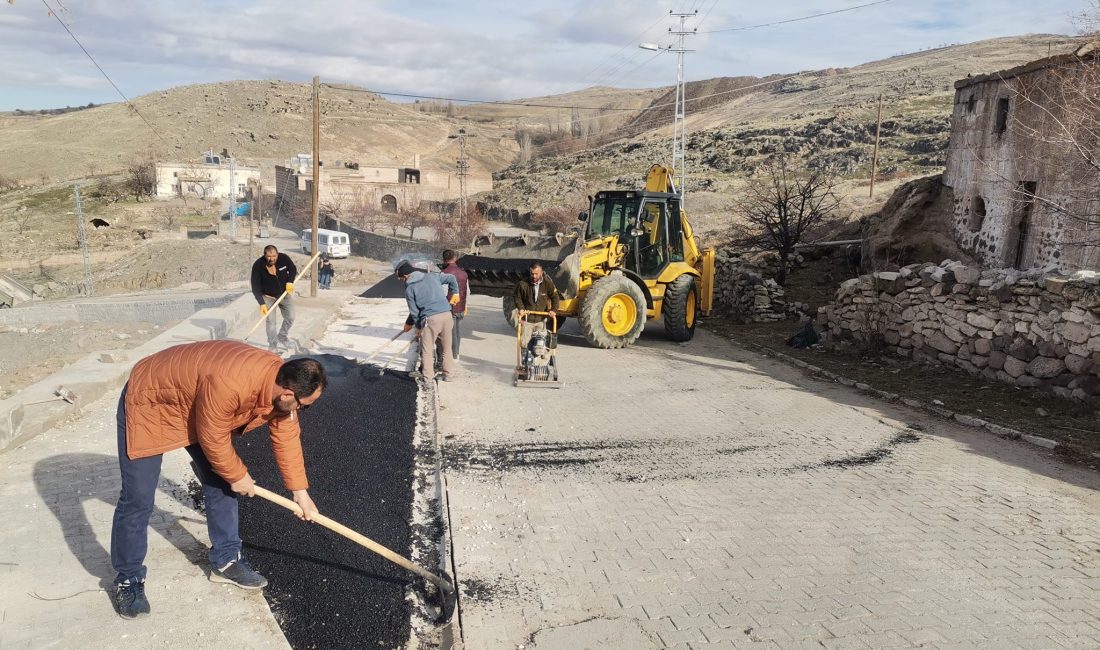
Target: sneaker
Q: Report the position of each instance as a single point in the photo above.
(445, 377)
(130, 599)
(239, 573)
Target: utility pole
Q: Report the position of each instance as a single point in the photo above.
(89, 288)
(462, 169)
(316, 177)
(252, 213)
(232, 198)
(679, 127)
(874, 158)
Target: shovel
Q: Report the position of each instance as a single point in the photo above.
(60, 393)
(446, 588)
(272, 307)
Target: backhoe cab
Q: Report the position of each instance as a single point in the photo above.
(634, 258)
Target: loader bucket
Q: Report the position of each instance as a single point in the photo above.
(497, 264)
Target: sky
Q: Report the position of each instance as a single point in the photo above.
(486, 50)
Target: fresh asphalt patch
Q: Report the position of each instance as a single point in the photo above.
(389, 287)
(327, 591)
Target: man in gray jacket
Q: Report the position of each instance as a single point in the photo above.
(430, 312)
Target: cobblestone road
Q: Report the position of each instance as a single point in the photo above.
(703, 496)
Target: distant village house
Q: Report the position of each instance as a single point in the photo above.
(214, 176)
(355, 187)
(1025, 194)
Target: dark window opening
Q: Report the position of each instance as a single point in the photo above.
(977, 213)
(1025, 205)
(408, 175)
(1000, 124)
(389, 203)
(971, 103)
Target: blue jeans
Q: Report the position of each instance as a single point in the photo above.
(130, 530)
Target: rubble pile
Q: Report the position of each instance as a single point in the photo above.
(745, 286)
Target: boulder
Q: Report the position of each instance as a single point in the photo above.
(939, 341)
(981, 321)
(1015, 367)
(1045, 367)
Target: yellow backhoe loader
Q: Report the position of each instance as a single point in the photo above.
(633, 258)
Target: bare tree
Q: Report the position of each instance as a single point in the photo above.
(23, 219)
(1057, 117)
(561, 218)
(523, 138)
(780, 204)
(141, 178)
(168, 216)
(458, 230)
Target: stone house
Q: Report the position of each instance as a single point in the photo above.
(352, 186)
(1025, 196)
(213, 176)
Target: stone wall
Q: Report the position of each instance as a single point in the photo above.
(1029, 328)
(745, 286)
(381, 247)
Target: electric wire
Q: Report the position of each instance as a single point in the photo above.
(103, 72)
(795, 20)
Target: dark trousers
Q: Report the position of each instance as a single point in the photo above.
(130, 530)
(456, 333)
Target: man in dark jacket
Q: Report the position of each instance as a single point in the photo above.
(458, 309)
(535, 294)
(271, 275)
(430, 312)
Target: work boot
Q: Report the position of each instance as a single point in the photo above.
(446, 376)
(130, 599)
(238, 573)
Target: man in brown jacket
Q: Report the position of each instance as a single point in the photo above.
(535, 294)
(196, 397)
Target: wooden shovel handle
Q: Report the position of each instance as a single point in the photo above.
(358, 538)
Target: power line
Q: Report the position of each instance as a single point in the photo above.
(103, 72)
(795, 20)
(629, 43)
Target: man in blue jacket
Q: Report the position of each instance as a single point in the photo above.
(430, 312)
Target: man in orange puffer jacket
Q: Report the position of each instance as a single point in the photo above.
(196, 397)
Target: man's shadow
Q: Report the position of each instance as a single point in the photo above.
(66, 481)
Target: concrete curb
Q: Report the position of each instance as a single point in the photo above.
(99, 373)
(965, 420)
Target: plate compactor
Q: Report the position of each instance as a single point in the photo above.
(536, 362)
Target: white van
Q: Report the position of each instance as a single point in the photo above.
(335, 243)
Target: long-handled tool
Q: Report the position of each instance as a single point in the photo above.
(446, 588)
(60, 393)
(400, 353)
(284, 294)
(383, 347)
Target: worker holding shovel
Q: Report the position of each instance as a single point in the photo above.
(196, 397)
(272, 275)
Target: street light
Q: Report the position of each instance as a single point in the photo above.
(652, 47)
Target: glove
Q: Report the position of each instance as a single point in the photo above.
(454, 300)
(263, 309)
(289, 288)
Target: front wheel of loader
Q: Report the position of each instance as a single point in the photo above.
(680, 308)
(613, 312)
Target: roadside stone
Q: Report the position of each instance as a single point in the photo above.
(982, 346)
(1022, 350)
(1014, 367)
(942, 343)
(1076, 364)
(1045, 367)
(1076, 332)
(1027, 381)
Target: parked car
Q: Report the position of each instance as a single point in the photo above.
(337, 244)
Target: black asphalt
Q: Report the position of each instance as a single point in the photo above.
(326, 591)
(389, 287)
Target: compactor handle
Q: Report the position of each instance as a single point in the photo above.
(553, 319)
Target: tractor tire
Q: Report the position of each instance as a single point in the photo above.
(613, 312)
(680, 308)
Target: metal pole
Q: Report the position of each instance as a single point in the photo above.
(316, 177)
(679, 126)
(89, 287)
(874, 158)
(252, 215)
(232, 197)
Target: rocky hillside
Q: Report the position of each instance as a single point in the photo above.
(825, 116)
